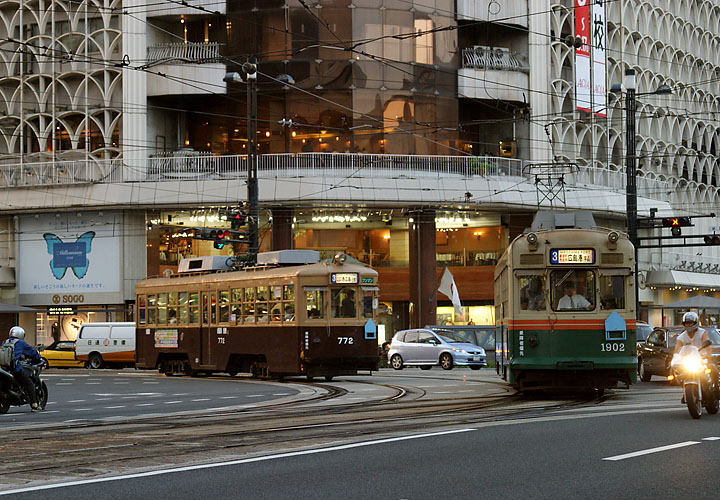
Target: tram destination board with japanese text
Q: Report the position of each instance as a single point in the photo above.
(572, 256)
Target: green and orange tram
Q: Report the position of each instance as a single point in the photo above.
(282, 317)
(565, 306)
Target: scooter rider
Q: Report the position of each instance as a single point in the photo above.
(694, 335)
(22, 351)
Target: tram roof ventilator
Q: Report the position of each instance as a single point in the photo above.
(288, 257)
(547, 220)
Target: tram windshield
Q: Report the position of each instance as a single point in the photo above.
(612, 292)
(572, 290)
(532, 292)
(343, 303)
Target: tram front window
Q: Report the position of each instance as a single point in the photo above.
(573, 290)
(532, 292)
(612, 292)
(343, 303)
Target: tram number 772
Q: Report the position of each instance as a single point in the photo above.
(345, 340)
(612, 347)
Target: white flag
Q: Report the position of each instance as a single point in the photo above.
(448, 287)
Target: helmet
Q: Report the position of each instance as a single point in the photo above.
(17, 332)
(690, 317)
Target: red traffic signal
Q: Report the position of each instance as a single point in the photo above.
(712, 240)
(676, 222)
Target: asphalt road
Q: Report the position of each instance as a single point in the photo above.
(80, 395)
(637, 444)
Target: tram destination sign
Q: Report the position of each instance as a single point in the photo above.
(343, 278)
(572, 256)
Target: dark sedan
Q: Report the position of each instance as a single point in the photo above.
(655, 354)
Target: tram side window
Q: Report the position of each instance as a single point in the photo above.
(141, 309)
(236, 300)
(172, 308)
(152, 309)
(183, 307)
(612, 292)
(224, 309)
(532, 292)
(193, 310)
(261, 304)
(276, 307)
(572, 290)
(343, 303)
(162, 302)
(289, 302)
(315, 304)
(249, 306)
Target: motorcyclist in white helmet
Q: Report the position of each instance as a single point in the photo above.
(694, 335)
(21, 351)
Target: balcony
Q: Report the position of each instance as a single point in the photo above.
(183, 53)
(514, 13)
(198, 63)
(185, 165)
(493, 73)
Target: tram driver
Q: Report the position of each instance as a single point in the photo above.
(571, 299)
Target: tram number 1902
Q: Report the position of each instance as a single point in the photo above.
(612, 347)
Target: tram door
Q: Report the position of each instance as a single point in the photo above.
(208, 330)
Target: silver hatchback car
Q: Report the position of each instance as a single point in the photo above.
(426, 348)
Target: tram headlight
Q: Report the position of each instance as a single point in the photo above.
(340, 258)
(613, 236)
(532, 240)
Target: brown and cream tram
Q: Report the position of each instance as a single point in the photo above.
(271, 320)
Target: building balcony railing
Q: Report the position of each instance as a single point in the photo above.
(195, 165)
(494, 58)
(191, 52)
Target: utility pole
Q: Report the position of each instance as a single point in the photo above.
(250, 70)
(631, 176)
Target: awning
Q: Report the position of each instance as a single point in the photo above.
(697, 302)
(682, 278)
(11, 308)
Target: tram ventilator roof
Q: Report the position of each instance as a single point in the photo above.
(547, 220)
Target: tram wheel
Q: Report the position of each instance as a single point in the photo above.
(309, 378)
(446, 361)
(328, 378)
(397, 362)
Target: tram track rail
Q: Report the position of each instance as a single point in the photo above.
(90, 449)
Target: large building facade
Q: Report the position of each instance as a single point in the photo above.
(398, 131)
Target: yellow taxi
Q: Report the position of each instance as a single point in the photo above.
(60, 354)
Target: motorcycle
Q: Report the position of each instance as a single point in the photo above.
(12, 393)
(691, 370)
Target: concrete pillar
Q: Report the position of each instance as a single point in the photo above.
(423, 275)
(134, 138)
(282, 228)
(539, 56)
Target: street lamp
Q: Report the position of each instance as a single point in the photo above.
(630, 160)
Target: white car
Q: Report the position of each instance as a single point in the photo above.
(426, 348)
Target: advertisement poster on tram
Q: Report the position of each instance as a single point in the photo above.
(69, 258)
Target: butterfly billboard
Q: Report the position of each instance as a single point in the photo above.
(70, 258)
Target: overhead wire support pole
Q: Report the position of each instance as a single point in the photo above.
(250, 70)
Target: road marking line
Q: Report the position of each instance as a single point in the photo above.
(77, 401)
(151, 382)
(114, 407)
(711, 438)
(228, 397)
(254, 396)
(92, 383)
(172, 402)
(202, 399)
(83, 409)
(63, 383)
(146, 404)
(651, 450)
(233, 462)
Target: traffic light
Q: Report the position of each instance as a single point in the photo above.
(712, 239)
(219, 237)
(237, 219)
(676, 223)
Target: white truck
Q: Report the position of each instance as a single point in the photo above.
(103, 344)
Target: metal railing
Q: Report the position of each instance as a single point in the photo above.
(61, 172)
(494, 58)
(171, 166)
(191, 52)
